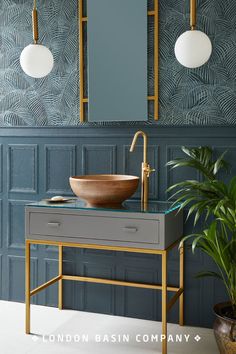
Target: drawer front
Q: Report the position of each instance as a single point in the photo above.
(94, 227)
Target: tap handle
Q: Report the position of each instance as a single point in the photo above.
(149, 170)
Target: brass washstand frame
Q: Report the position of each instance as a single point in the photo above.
(82, 21)
(166, 305)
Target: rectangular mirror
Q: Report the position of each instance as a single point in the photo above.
(117, 60)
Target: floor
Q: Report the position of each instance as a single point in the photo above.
(69, 332)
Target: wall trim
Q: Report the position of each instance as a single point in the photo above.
(124, 131)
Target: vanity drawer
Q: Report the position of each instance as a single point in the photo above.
(89, 227)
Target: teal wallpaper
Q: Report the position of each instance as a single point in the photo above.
(203, 96)
(25, 101)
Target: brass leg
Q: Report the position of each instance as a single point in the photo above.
(60, 262)
(27, 287)
(164, 302)
(181, 285)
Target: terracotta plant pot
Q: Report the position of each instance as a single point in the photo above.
(225, 329)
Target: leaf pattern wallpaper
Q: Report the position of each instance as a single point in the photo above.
(207, 95)
(203, 96)
(25, 101)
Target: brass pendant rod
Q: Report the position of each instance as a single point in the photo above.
(193, 14)
(35, 23)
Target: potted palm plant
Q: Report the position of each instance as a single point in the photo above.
(214, 201)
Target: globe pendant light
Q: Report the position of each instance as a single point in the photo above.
(36, 60)
(193, 48)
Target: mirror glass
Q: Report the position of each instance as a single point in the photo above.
(117, 60)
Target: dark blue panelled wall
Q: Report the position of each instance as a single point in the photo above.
(197, 107)
(36, 163)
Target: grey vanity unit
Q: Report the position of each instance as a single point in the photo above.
(155, 230)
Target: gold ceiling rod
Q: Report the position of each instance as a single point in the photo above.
(35, 23)
(193, 14)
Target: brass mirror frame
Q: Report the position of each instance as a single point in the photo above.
(82, 20)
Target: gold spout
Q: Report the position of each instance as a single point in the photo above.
(145, 169)
(144, 135)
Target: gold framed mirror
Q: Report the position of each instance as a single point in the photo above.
(83, 23)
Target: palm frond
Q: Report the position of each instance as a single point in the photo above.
(217, 200)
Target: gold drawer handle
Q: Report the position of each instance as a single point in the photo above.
(54, 224)
(130, 229)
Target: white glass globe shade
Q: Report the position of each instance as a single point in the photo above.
(36, 60)
(193, 49)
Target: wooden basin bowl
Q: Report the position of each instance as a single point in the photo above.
(104, 190)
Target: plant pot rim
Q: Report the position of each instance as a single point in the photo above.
(218, 311)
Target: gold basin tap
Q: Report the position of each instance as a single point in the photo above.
(145, 169)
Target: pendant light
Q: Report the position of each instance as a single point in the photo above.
(36, 60)
(193, 48)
